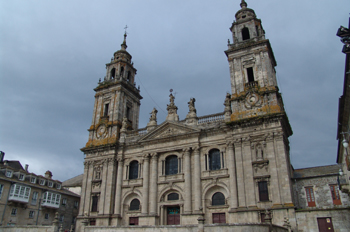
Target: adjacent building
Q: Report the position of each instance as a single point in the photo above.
(30, 199)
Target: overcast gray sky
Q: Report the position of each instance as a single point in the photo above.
(52, 54)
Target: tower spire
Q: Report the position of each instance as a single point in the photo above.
(243, 4)
(123, 45)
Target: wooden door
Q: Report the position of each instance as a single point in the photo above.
(173, 216)
(133, 221)
(325, 224)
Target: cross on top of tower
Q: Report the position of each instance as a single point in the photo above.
(126, 27)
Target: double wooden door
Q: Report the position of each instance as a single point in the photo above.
(173, 215)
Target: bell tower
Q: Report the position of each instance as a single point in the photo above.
(252, 69)
(116, 98)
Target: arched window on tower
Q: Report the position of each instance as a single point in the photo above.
(113, 73)
(218, 199)
(214, 159)
(245, 33)
(128, 76)
(171, 165)
(135, 205)
(121, 71)
(250, 74)
(133, 170)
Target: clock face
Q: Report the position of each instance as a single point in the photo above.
(101, 131)
(252, 98)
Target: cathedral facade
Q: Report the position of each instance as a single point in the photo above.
(225, 168)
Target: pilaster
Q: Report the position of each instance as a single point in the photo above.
(90, 172)
(118, 191)
(187, 170)
(145, 189)
(110, 179)
(240, 173)
(248, 173)
(197, 181)
(232, 172)
(153, 184)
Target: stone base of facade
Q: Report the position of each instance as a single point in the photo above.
(148, 220)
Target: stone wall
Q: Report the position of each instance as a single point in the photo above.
(207, 228)
(27, 229)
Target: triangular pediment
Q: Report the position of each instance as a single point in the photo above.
(169, 129)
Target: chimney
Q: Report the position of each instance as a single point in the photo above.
(26, 168)
(48, 174)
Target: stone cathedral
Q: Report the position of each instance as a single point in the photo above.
(231, 167)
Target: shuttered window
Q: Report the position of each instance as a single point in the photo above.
(219, 218)
(310, 197)
(335, 194)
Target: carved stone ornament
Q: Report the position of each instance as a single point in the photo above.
(101, 132)
(252, 99)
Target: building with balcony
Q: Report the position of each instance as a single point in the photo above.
(30, 199)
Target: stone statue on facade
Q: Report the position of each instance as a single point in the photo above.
(172, 110)
(228, 110)
(152, 120)
(191, 117)
(124, 125)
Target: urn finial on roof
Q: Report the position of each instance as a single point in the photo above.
(243, 4)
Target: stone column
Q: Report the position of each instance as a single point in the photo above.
(187, 171)
(118, 191)
(153, 184)
(103, 169)
(88, 188)
(284, 169)
(84, 190)
(240, 173)
(248, 173)
(273, 170)
(144, 210)
(197, 181)
(111, 170)
(231, 164)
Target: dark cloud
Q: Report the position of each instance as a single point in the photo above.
(53, 53)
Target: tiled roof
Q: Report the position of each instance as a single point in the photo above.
(316, 171)
(73, 182)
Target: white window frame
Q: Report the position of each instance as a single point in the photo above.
(51, 199)
(21, 176)
(34, 198)
(14, 212)
(31, 214)
(20, 193)
(64, 201)
(50, 184)
(33, 180)
(42, 182)
(8, 173)
(58, 186)
(76, 204)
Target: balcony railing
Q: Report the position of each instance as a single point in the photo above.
(252, 84)
(211, 118)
